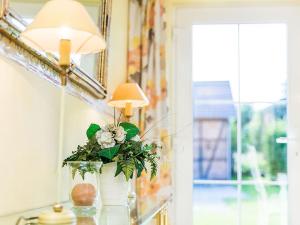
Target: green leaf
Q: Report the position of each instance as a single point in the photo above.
(153, 172)
(131, 130)
(148, 147)
(139, 166)
(153, 166)
(74, 170)
(109, 153)
(70, 158)
(119, 169)
(128, 168)
(92, 130)
(82, 174)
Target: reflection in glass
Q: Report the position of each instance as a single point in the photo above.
(264, 205)
(263, 155)
(115, 215)
(86, 221)
(28, 9)
(215, 204)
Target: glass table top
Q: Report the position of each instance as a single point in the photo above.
(138, 212)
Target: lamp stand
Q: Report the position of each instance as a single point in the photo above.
(64, 62)
(64, 59)
(63, 77)
(128, 112)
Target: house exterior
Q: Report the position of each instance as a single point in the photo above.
(212, 130)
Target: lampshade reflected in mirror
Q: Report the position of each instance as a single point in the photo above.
(65, 27)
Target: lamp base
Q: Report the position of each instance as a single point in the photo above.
(63, 79)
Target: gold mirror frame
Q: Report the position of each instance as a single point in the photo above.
(79, 83)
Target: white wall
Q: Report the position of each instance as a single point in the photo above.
(29, 122)
(29, 115)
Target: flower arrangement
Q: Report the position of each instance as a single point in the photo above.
(119, 143)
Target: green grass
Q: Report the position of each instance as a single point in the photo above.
(226, 211)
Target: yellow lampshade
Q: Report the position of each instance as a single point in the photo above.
(64, 20)
(128, 93)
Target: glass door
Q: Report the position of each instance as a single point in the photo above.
(239, 124)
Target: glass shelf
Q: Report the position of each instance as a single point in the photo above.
(139, 212)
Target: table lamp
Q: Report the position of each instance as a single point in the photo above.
(64, 27)
(128, 96)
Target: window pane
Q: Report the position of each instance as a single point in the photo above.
(215, 204)
(215, 141)
(258, 52)
(264, 153)
(262, 204)
(215, 55)
(263, 60)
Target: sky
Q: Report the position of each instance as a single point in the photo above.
(253, 57)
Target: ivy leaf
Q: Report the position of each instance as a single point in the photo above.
(119, 169)
(109, 153)
(128, 167)
(131, 130)
(92, 130)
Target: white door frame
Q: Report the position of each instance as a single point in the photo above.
(184, 18)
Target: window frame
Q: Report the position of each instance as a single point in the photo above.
(184, 18)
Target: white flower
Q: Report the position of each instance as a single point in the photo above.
(136, 138)
(105, 139)
(109, 127)
(120, 134)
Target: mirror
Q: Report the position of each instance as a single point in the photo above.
(90, 70)
(27, 10)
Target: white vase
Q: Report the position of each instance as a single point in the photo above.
(113, 190)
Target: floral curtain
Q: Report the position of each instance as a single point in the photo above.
(147, 67)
